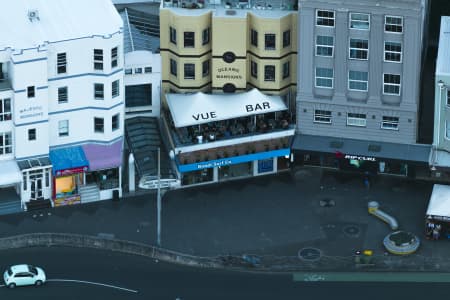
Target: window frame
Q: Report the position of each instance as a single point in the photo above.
(324, 46)
(117, 117)
(389, 122)
(351, 21)
(286, 70)
(98, 59)
(392, 84)
(322, 116)
(366, 81)
(63, 94)
(115, 88)
(286, 38)
(190, 67)
(392, 52)
(323, 18)
(173, 35)
(205, 68)
(99, 127)
(268, 70)
(356, 120)
(97, 92)
(61, 63)
(254, 69)
(386, 24)
(5, 110)
(189, 39)
(357, 49)
(63, 128)
(173, 67)
(206, 36)
(324, 78)
(254, 37)
(114, 57)
(268, 41)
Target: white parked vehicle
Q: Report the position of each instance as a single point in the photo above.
(20, 275)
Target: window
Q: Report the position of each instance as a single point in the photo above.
(32, 134)
(115, 122)
(286, 38)
(359, 49)
(322, 116)
(61, 63)
(30, 92)
(392, 51)
(354, 119)
(138, 95)
(189, 39)
(269, 73)
(147, 69)
(99, 91)
(447, 130)
(62, 94)
(254, 69)
(128, 71)
(254, 38)
(47, 177)
(359, 21)
(114, 57)
(286, 69)
(391, 84)
(448, 98)
(389, 123)
(5, 143)
(5, 109)
(138, 71)
(324, 77)
(99, 125)
(63, 128)
(358, 81)
(98, 59)
(189, 71)
(325, 18)
(269, 39)
(173, 35)
(324, 45)
(393, 24)
(173, 67)
(115, 89)
(205, 36)
(205, 68)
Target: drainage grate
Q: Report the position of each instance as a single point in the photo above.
(327, 202)
(351, 230)
(309, 254)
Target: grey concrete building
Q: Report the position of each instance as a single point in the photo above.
(359, 67)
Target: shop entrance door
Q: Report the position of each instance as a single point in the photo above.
(36, 188)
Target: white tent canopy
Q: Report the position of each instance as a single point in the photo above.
(10, 173)
(200, 108)
(439, 204)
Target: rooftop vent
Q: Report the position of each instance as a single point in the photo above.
(33, 15)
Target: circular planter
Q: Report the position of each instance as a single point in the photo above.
(401, 243)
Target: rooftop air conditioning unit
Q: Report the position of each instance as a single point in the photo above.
(33, 14)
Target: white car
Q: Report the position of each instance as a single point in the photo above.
(19, 275)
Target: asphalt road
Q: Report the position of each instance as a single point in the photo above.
(94, 274)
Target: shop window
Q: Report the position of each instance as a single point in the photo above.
(189, 71)
(286, 38)
(32, 134)
(115, 122)
(5, 109)
(269, 73)
(325, 18)
(254, 37)
(115, 88)
(189, 39)
(31, 92)
(62, 94)
(173, 67)
(99, 125)
(61, 63)
(99, 91)
(104, 179)
(173, 35)
(205, 68)
(98, 59)
(269, 41)
(114, 57)
(359, 21)
(5, 143)
(254, 69)
(63, 128)
(393, 24)
(205, 36)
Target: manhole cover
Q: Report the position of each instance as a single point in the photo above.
(309, 254)
(327, 202)
(351, 230)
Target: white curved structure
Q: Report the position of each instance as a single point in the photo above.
(373, 208)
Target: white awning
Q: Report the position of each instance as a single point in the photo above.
(9, 173)
(439, 204)
(200, 108)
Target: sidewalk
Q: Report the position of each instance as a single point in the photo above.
(272, 215)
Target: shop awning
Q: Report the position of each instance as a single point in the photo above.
(200, 108)
(327, 144)
(439, 204)
(68, 158)
(10, 173)
(103, 156)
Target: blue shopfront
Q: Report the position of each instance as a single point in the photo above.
(224, 169)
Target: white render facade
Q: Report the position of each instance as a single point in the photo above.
(64, 84)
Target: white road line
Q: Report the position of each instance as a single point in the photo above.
(93, 283)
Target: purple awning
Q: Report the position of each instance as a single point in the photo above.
(103, 156)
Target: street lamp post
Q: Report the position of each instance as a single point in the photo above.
(436, 140)
(158, 202)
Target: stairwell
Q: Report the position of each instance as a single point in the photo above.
(89, 193)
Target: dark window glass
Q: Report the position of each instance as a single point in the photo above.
(30, 92)
(138, 95)
(189, 71)
(254, 37)
(114, 57)
(189, 39)
(61, 64)
(99, 125)
(286, 69)
(173, 67)
(115, 88)
(205, 36)
(32, 134)
(115, 122)
(205, 68)
(286, 38)
(254, 69)
(269, 73)
(269, 41)
(62, 95)
(99, 90)
(98, 59)
(173, 35)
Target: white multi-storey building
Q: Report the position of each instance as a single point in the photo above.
(62, 107)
